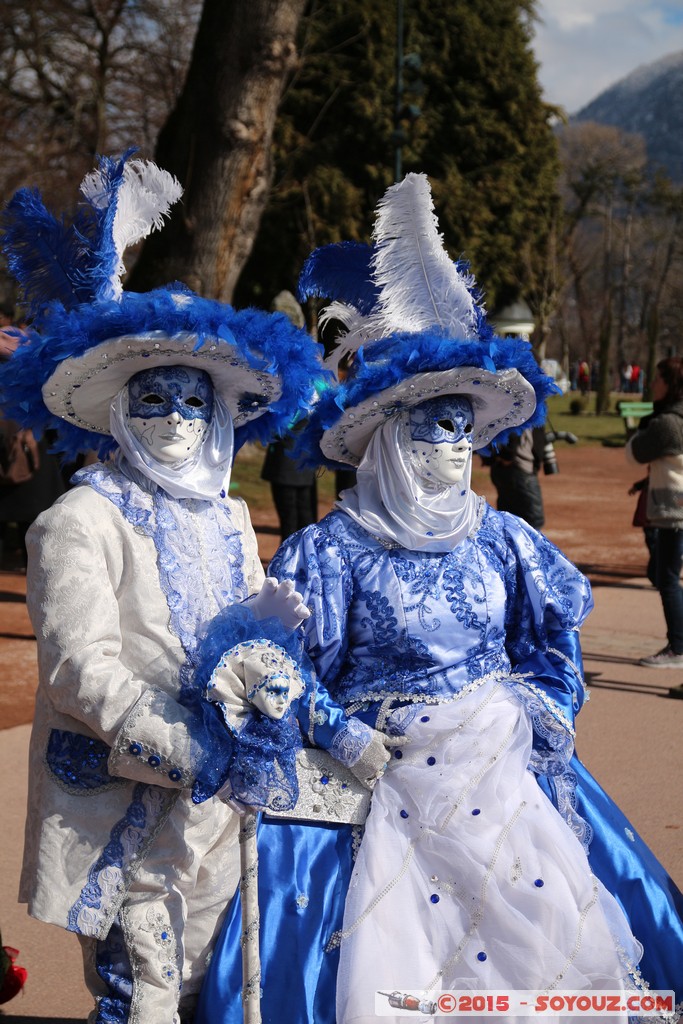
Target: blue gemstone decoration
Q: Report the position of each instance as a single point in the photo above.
(434, 898)
(174, 775)
(431, 760)
(398, 754)
(404, 814)
(425, 718)
(164, 935)
(79, 761)
(324, 779)
(135, 749)
(154, 761)
(222, 494)
(481, 956)
(476, 811)
(430, 533)
(539, 883)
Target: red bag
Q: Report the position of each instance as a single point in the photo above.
(12, 977)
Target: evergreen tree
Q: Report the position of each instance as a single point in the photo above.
(483, 136)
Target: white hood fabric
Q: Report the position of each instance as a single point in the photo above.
(204, 475)
(396, 505)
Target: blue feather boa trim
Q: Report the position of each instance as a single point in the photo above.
(380, 365)
(267, 342)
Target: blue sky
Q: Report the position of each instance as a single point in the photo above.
(584, 46)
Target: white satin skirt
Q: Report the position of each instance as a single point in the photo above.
(468, 878)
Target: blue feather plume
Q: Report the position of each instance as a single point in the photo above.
(106, 266)
(45, 255)
(340, 271)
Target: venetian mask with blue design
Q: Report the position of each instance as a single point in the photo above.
(272, 695)
(169, 410)
(440, 432)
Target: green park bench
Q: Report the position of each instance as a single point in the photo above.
(631, 413)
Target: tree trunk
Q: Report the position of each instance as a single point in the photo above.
(605, 338)
(217, 141)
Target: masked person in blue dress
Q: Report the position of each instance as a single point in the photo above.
(490, 859)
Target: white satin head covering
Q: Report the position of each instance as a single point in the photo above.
(396, 505)
(207, 471)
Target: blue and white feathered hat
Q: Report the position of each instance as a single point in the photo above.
(416, 329)
(88, 336)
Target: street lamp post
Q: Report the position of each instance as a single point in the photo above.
(398, 133)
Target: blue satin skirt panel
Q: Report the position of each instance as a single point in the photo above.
(628, 869)
(304, 872)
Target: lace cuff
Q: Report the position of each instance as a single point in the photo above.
(350, 741)
(550, 724)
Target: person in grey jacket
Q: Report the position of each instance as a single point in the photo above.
(659, 444)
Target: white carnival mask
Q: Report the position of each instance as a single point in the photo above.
(272, 698)
(440, 431)
(169, 410)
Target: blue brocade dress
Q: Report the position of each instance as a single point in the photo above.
(472, 872)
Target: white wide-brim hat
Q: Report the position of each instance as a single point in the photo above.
(66, 377)
(500, 402)
(82, 388)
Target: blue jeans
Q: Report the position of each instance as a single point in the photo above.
(665, 573)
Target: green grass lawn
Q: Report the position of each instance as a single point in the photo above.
(606, 429)
(246, 482)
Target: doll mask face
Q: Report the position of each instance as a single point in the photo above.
(169, 410)
(272, 699)
(441, 438)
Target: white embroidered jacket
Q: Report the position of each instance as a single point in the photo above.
(112, 748)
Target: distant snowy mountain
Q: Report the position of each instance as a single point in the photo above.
(648, 101)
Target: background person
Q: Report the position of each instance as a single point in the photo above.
(515, 468)
(294, 489)
(30, 476)
(659, 444)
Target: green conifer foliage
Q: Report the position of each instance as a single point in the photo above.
(483, 136)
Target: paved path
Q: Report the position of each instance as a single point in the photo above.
(629, 733)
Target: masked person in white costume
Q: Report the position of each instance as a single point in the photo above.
(126, 844)
(490, 859)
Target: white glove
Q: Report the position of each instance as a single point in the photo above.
(369, 767)
(280, 600)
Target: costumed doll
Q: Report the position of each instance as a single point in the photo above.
(124, 847)
(490, 860)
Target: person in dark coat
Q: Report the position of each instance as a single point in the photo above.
(294, 490)
(30, 477)
(514, 474)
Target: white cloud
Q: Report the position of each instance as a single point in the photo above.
(584, 46)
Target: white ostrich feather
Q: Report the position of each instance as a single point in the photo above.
(143, 199)
(359, 329)
(420, 286)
